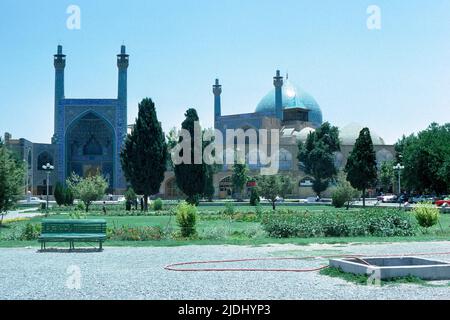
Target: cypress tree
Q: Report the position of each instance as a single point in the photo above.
(361, 167)
(59, 194)
(144, 155)
(191, 177)
(68, 197)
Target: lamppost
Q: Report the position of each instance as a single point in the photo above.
(48, 168)
(399, 168)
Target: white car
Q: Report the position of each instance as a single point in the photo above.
(33, 200)
(389, 198)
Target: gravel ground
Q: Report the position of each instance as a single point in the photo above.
(137, 273)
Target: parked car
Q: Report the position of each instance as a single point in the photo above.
(389, 198)
(442, 202)
(423, 198)
(403, 198)
(33, 200)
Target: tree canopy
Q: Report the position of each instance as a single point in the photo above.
(426, 158)
(387, 175)
(361, 167)
(144, 156)
(274, 186)
(316, 156)
(191, 177)
(12, 175)
(87, 189)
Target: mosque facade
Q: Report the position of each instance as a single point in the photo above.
(295, 113)
(89, 134)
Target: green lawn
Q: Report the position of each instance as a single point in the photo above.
(219, 231)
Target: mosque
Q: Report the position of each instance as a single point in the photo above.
(88, 134)
(293, 111)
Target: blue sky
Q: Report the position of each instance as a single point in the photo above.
(395, 80)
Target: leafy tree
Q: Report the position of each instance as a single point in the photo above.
(426, 158)
(361, 167)
(191, 177)
(316, 156)
(239, 178)
(387, 175)
(144, 156)
(88, 189)
(59, 194)
(286, 187)
(271, 187)
(11, 180)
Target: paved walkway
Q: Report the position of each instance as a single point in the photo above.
(23, 213)
(137, 273)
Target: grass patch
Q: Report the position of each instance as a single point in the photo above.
(220, 231)
(362, 279)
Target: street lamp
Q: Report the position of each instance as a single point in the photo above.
(399, 168)
(48, 168)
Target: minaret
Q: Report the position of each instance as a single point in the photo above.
(121, 124)
(59, 62)
(122, 64)
(278, 83)
(217, 90)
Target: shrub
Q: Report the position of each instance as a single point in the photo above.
(426, 215)
(344, 193)
(31, 231)
(215, 233)
(186, 219)
(158, 205)
(254, 197)
(130, 198)
(373, 222)
(78, 214)
(229, 209)
(80, 207)
(125, 233)
(338, 198)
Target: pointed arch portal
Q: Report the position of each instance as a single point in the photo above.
(90, 147)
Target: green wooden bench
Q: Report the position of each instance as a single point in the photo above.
(62, 230)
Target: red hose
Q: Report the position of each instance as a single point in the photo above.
(173, 267)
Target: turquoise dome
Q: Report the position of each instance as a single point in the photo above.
(293, 97)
